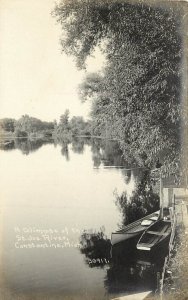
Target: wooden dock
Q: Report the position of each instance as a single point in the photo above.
(176, 199)
(137, 296)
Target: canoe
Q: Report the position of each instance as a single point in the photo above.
(156, 237)
(124, 241)
(134, 229)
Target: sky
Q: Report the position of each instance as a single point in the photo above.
(35, 77)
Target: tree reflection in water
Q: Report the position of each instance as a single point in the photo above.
(78, 145)
(26, 146)
(127, 174)
(129, 275)
(142, 202)
(7, 145)
(64, 143)
(65, 150)
(95, 245)
(120, 278)
(104, 152)
(96, 248)
(131, 278)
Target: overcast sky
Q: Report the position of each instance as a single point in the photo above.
(35, 77)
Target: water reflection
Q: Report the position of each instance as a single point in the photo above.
(26, 146)
(143, 201)
(84, 204)
(104, 152)
(65, 150)
(96, 248)
(127, 174)
(7, 145)
(128, 274)
(29, 146)
(78, 145)
(136, 276)
(133, 276)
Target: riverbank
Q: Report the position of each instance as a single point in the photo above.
(4, 293)
(5, 135)
(176, 279)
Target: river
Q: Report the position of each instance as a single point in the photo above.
(54, 197)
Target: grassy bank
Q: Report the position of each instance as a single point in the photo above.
(176, 281)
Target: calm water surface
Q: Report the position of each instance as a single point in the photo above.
(62, 186)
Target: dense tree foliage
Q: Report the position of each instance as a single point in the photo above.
(7, 124)
(25, 126)
(66, 128)
(136, 98)
(79, 126)
(30, 125)
(63, 126)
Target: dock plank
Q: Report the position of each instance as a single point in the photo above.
(137, 296)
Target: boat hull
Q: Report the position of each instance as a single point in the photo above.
(125, 251)
(124, 241)
(123, 237)
(155, 240)
(157, 252)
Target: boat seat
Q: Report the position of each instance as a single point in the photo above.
(154, 218)
(154, 232)
(157, 233)
(166, 227)
(146, 222)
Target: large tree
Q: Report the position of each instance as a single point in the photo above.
(137, 96)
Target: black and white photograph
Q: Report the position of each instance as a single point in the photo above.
(93, 150)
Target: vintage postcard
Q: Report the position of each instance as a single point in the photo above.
(93, 150)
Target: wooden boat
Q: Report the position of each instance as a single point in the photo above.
(125, 240)
(134, 229)
(156, 237)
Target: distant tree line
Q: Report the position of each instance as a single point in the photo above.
(75, 126)
(28, 126)
(7, 124)
(25, 126)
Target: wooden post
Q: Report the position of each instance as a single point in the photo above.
(182, 214)
(158, 281)
(174, 203)
(171, 214)
(161, 196)
(163, 277)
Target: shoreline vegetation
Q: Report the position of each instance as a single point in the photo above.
(29, 127)
(138, 97)
(175, 284)
(66, 129)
